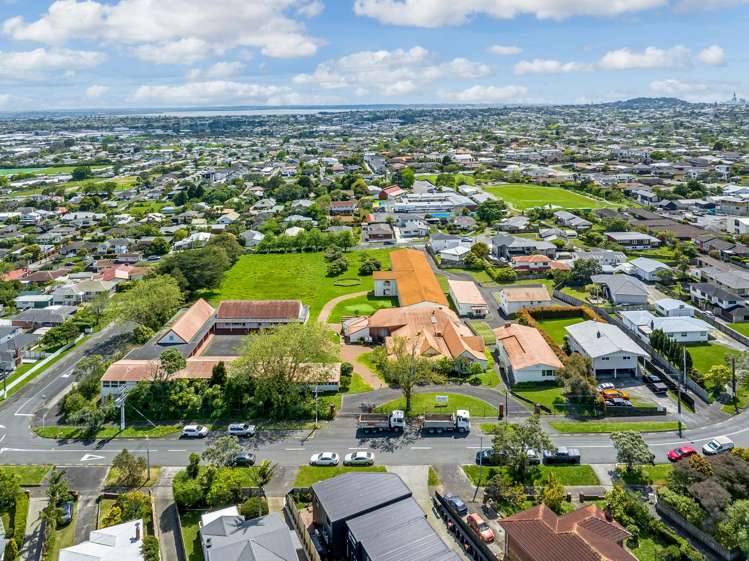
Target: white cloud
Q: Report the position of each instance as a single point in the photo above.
(712, 56)
(652, 57)
(183, 51)
(677, 87)
(96, 90)
(486, 94)
(690, 5)
(550, 66)
(207, 93)
(37, 64)
(504, 50)
(220, 70)
(438, 13)
(393, 72)
(311, 9)
(4, 99)
(165, 24)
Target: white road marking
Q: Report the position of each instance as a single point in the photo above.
(292, 449)
(3, 437)
(176, 450)
(421, 447)
(473, 447)
(89, 457)
(358, 448)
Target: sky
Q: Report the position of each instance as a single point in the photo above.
(71, 54)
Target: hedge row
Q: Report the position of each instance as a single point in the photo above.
(561, 312)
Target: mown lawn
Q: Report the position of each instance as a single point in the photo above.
(522, 196)
(70, 432)
(64, 536)
(358, 385)
(191, 534)
(742, 328)
(113, 477)
(105, 505)
(646, 475)
(567, 475)
(309, 475)
(293, 276)
(426, 403)
(28, 475)
(360, 306)
(706, 355)
(592, 426)
(460, 179)
(548, 394)
(555, 327)
(482, 329)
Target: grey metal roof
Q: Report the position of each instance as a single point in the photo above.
(267, 538)
(350, 494)
(621, 284)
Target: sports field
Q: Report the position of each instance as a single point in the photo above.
(522, 196)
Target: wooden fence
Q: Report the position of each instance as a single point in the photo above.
(296, 519)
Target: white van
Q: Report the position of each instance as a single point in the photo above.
(717, 445)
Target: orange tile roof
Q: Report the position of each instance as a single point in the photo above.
(415, 279)
(143, 370)
(192, 320)
(525, 346)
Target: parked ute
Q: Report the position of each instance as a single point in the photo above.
(195, 431)
(241, 429)
(605, 386)
(479, 525)
(359, 459)
(655, 384)
(613, 393)
(680, 453)
(562, 455)
(324, 459)
(718, 445)
(457, 503)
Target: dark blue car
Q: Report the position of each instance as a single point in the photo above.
(457, 503)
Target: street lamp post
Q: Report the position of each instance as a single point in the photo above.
(148, 460)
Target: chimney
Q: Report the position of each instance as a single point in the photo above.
(609, 514)
(137, 531)
(598, 334)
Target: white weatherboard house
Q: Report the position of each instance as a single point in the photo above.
(681, 329)
(122, 542)
(525, 355)
(512, 299)
(647, 269)
(611, 351)
(670, 307)
(467, 299)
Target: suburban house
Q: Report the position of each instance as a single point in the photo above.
(440, 241)
(468, 299)
(505, 246)
(373, 517)
(343, 207)
(647, 269)
(606, 257)
(719, 300)
(454, 256)
(227, 536)
(680, 329)
(633, 240)
(432, 333)
(531, 263)
(610, 350)
(670, 307)
(622, 289)
(32, 301)
(733, 280)
(50, 316)
(512, 299)
(122, 542)
(378, 232)
(566, 218)
(244, 316)
(539, 534)
(410, 279)
(525, 355)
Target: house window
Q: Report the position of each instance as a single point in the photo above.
(605, 358)
(547, 373)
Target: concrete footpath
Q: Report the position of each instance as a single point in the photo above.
(33, 540)
(166, 517)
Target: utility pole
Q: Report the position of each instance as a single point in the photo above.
(681, 380)
(481, 467)
(733, 383)
(148, 460)
(507, 409)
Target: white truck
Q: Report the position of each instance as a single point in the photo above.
(438, 423)
(382, 422)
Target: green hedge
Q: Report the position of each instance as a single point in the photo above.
(19, 518)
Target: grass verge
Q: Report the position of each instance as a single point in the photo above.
(433, 478)
(588, 427)
(646, 475)
(65, 432)
(28, 475)
(567, 475)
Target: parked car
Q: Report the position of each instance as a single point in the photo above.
(195, 431)
(67, 513)
(457, 503)
(479, 525)
(487, 457)
(324, 459)
(680, 453)
(359, 459)
(718, 445)
(562, 455)
(245, 459)
(605, 386)
(241, 429)
(618, 402)
(654, 383)
(612, 393)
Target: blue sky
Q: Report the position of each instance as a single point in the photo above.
(151, 53)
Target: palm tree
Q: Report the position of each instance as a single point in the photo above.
(262, 475)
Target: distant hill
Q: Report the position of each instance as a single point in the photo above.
(649, 103)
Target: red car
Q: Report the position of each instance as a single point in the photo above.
(680, 453)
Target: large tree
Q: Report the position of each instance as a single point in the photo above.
(514, 442)
(280, 361)
(407, 368)
(631, 449)
(150, 302)
(196, 269)
(222, 451)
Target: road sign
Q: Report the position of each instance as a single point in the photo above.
(442, 400)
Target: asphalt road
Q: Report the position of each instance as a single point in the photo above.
(19, 445)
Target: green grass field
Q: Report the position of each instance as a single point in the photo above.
(742, 328)
(358, 385)
(360, 306)
(635, 426)
(522, 196)
(43, 171)
(309, 475)
(555, 327)
(191, 534)
(28, 475)
(426, 403)
(567, 475)
(292, 276)
(548, 394)
(706, 355)
(460, 179)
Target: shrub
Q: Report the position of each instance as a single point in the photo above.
(337, 267)
(253, 507)
(347, 369)
(19, 518)
(150, 549)
(188, 492)
(142, 334)
(11, 550)
(686, 506)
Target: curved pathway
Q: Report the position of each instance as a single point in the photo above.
(327, 309)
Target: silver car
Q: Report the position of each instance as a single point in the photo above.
(359, 459)
(324, 459)
(241, 429)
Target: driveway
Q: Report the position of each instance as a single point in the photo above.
(351, 353)
(88, 481)
(166, 517)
